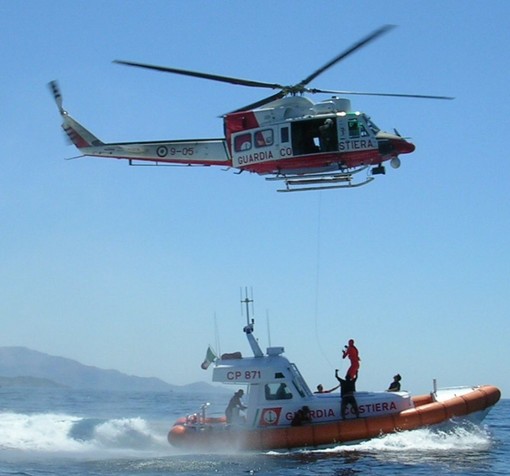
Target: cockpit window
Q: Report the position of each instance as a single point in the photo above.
(354, 131)
(277, 391)
(264, 138)
(362, 131)
(371, 125)
(242, 142)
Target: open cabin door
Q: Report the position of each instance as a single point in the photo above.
(314, 136)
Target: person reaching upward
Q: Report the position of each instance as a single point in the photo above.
(352, 353)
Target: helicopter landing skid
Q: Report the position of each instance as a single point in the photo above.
(320, 181)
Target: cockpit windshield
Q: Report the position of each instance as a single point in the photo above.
(371, 125)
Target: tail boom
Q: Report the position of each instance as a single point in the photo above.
(185, 152)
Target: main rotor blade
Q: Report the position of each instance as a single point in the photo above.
(358, 93)
(197, 74)
(261, 102)
(347, 52)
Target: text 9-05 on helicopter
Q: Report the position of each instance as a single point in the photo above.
(306, 145)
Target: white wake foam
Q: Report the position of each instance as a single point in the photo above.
(458, 438)
(51, 432)
(38, 432)
(420, 443)
(131, 433)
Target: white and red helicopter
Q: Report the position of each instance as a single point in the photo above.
(287, 137)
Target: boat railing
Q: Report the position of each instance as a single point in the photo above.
(201, 418)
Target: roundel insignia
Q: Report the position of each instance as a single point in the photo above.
(162, 151)
(270, 416)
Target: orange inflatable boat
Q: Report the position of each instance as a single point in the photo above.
(439, 407)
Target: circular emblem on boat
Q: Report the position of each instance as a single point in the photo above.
(162, 151)
(270, 416)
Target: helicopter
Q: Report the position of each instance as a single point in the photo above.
(285, 137)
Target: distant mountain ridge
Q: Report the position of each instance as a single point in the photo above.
(16, 362)
(29, 382)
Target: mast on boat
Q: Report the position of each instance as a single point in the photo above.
(248, 329)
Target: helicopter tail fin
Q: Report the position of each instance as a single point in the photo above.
(78, 135)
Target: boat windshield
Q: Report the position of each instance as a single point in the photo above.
(299, 382)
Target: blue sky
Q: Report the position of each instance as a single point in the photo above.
(129, 268)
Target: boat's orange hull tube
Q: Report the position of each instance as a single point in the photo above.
(426, 412)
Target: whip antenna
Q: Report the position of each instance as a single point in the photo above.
(268, 329)
(247, 301)
(217, 335)
(248, 329)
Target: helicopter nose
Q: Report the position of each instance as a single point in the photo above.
(393, 144)
(404, 147)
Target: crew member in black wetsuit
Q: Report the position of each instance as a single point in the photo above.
(232, 411)
(395, 385)
(347, 390)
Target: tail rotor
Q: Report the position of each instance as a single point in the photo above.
(79, 136)
(55, 90)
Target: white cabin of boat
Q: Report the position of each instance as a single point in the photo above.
(276, 390)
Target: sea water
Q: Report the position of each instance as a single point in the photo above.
(70, 432)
